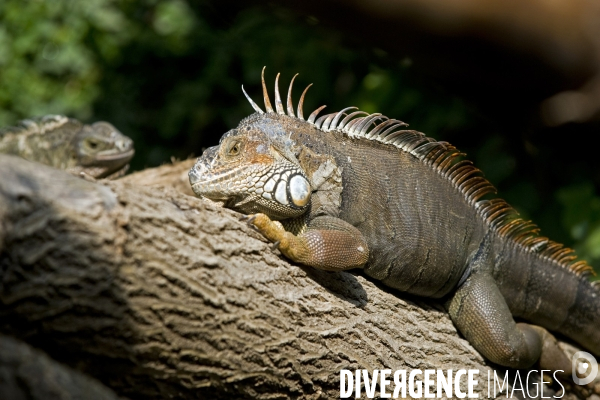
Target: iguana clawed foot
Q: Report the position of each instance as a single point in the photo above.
(329, 243)
(291, 246)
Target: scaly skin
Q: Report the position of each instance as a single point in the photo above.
(360, 193)
(98, 150)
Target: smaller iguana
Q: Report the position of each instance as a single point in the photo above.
(355, 190)
(98, 150)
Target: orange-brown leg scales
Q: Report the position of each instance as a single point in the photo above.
(329, 249)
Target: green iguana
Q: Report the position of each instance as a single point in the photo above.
(98, 150)
(355, 190)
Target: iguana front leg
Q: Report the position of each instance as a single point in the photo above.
(328, 243)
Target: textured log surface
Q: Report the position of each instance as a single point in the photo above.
(162, 295)
(29, 374)
(173, 175)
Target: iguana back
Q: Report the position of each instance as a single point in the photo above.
(356, 190)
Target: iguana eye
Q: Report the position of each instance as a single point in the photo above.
(92, 144)
(234, 148)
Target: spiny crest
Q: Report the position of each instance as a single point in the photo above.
(278, 104)
(443, 158)
(44, 124)
(35, 126)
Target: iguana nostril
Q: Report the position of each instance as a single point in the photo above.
(193, 175)
(196, 172)
(123, 145)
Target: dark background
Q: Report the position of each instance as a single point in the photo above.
(169, 74)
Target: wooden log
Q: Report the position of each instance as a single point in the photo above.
(162, 295)
(27, 373)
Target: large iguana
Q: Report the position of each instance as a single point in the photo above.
(98, 150)
(355, 190)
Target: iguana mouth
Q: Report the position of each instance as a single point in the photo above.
(117, 174)
(209, 183)
(214, 186)
(108, 165)
(126, 156)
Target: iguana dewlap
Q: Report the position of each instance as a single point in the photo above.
(98, 150)
(355, 190)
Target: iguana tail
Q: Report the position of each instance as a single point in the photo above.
(543, 285)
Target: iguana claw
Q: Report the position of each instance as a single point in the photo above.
(248, 219)
(272, 230)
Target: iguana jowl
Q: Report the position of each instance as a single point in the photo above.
(355, 190)
(98, 150)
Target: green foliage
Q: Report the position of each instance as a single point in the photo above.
(46, 64)
(53, 53)
(168, 74)
(581, 218)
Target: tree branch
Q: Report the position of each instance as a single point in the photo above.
(26, 373)
(161, 295)
(174, 175)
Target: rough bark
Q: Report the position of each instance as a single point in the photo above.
(159, 294)
(174, 175)
(29, 374)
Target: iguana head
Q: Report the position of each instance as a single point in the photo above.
(101, 150)
(254, 168)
